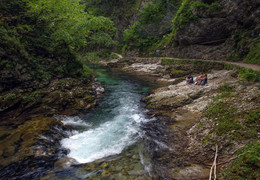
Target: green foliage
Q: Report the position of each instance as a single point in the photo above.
(10, 96)
(147, 33)
(177, 73)
(229, 120)
(196, 66)
(226, 88)
(91, 57)
(100, 40)
(222, 113)
(253, 117)
(152, 12)
(247, 48)
(95, 57)
(65, 19)
(44, 37)
(10, 46)
(184, 15)
(132, 39)
(166, 39)
(34, 96)
(166, 61)
(113, 8)
(254, 53)
(246, 166)
(249, 74)
(13, 8)
(87, 72)
(70, 24)
(131, 35)
(75, 68)
(215, 6)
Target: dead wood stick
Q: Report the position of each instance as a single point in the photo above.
(214, 165)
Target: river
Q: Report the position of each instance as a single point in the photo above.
(110, 141)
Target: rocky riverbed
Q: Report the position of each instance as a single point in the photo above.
(188, 152)
(29, 131)
(180, 143)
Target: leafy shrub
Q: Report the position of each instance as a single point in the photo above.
(177, 73)
(34, 96)
(94, 57)
(249, 74)
(131, 35)
(184, 15)
(254, 54)
(152, 12)
(215, 6)
(87, 72)
(246, 166)
(226, 88)
(253, 117)
(151, 31)
(10, 96)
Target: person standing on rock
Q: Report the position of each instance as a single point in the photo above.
(157, 52)
(189, 79)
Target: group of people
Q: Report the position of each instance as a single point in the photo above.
(200, 80)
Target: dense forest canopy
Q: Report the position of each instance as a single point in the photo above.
(43, 38)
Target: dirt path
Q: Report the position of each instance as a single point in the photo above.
(245, 65)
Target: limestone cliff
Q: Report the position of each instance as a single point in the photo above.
(202, 29)
(229, 29)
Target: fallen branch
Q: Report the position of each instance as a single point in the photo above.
(214, 165)
(215, 162)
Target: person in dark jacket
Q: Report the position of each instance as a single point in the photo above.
(189, 79)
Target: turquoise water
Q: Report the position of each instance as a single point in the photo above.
(115, 125)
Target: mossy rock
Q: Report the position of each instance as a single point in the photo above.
(169, 103)
(18, 145)
(174, 73)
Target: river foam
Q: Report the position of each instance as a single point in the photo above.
(110, 128)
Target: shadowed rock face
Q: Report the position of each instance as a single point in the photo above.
(30, 135)
(219, 24)
(212, 34)
(205, 30)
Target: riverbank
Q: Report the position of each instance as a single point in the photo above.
(30, 132)
(197, 118)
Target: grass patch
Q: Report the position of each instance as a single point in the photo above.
(184, 15)
(226, 87)
(203, 66)
(229, 120)
(177, 73)
(95, 57)
(34, 96)
(87, 72)
(249, 74)
(246, 166)
(10, 96)
(215, 6)
(254, 53)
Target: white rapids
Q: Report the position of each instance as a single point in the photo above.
(118, 125)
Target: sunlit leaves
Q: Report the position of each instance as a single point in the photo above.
(68, 22)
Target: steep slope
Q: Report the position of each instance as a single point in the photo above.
(217, 30)
(202, 29)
